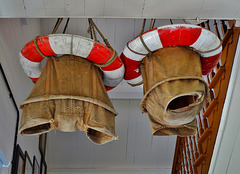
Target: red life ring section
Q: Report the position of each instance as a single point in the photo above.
(53, 44)
(200, 39)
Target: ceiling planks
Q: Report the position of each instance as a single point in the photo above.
(12, 8)
(34, 8)
(220, 9)
(71, 10)
(94, 8)
(172, 9)
(164, 9)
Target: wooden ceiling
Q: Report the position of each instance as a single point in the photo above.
(162, 9)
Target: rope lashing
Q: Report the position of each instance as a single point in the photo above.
(208, 51)
(66, 25)
(102, 36)
(57, 25)
(112, 58)
(142, 41)
(38, 50)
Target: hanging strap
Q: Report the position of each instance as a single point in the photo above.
(93, 26)
(208, 51)
(94, 34)
(135, 51)
(57, 25)
(185, 22)
(66, 25)
(141, 38)
(53, 32)
(144, 44)
(99, 32)
(91, 31)
(142, 41)
(152, 23)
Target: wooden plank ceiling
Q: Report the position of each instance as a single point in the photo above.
(175, 9)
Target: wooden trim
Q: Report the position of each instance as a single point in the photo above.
(205, 135)
(227, 37)
(199, 160)
(210, 108)
(217, 77)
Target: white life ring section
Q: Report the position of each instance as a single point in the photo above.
(53, 44)
(200, 39)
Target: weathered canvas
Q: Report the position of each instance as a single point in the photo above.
(69, 96)
(174, 90)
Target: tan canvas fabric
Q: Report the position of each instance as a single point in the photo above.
(174, 90)
(69, 96)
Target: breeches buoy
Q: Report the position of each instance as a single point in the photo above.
(69, 95)
(174, 90)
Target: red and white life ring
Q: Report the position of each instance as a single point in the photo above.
(71, 44)
(200, 39)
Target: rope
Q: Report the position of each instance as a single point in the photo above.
(144, 44)
(134, 51)
(150, 25)
(143, 26)
(90, 29)
(94, 34)
(133, 85)
(208, 51)
(153, 23)
(57, 25)
(53, 32)
(142, 41)
(71, 49)
(141, 38)
(59, 97)
(102, 36)
(112, 59)
(66, 25)
(184, 21)
(38, 50)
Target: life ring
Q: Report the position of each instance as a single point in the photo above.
(53, 44)
(200, 39)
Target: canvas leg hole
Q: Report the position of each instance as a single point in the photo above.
(98, 137)
(37, 129)
(181, 104)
